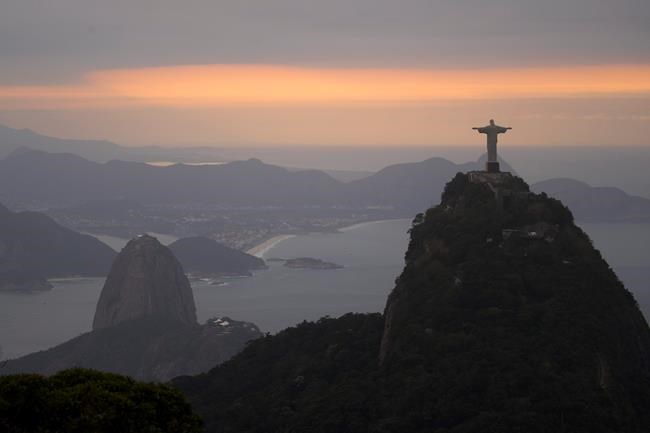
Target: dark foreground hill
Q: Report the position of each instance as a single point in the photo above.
(145, 324)
(153, 348)
(83, 401)
(33, 247)
(207, 257)
(505, 319)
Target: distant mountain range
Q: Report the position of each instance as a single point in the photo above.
(12, 139)
(412, 186)
(99, 150)
(36, 178)
(596, 204)
(33, 177)
(33, 247)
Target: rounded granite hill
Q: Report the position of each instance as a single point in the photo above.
(510, 317)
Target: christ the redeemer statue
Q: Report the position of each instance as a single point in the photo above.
(492, 130)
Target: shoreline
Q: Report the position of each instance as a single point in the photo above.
(366, 223)
(261, 249)
(59, 280)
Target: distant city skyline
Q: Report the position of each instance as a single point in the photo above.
(300, 73)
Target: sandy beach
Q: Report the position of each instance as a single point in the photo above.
(357, 225)
(261, 249)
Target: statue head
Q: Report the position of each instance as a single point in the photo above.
(492, 122)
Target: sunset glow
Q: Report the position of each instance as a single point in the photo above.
(223, 85)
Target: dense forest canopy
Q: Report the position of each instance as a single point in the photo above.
(83, 401)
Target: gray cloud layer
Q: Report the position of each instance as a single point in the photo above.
(57, 40)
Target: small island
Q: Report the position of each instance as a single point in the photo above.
(310, 263)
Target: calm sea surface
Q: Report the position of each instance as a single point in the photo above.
(279, 297)
(373, 256)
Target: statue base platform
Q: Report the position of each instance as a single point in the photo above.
(492, 167)
(499, 179)
(501, 184)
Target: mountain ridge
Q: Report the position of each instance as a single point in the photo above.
(404, 189)
(596, 204)
(95, 150)
(238, 183)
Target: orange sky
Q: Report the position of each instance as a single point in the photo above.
(278, 104)
(223, 85)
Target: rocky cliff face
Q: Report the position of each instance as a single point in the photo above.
(145, 280)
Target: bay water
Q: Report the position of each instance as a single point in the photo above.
(372, 255)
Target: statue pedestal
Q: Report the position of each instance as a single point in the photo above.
(492, 167)
(502, 184)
